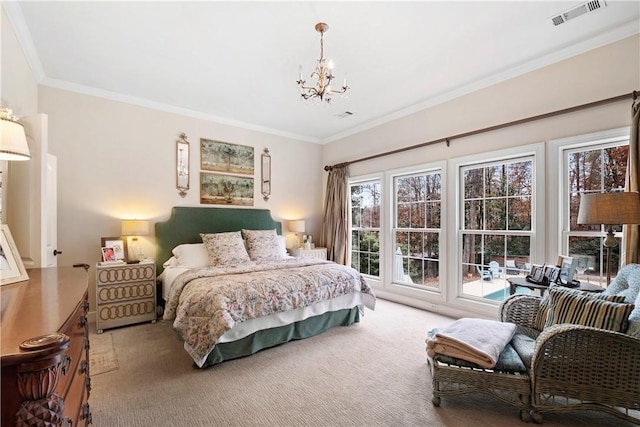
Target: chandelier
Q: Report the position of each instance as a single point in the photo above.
(323, 72)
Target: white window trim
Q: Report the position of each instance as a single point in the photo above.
(557, 242)
(454, 229)
(374, 282)
(399, 289)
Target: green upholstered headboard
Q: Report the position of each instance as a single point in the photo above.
(186, 224)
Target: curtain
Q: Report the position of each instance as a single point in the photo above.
(336, 215)
(632, 232)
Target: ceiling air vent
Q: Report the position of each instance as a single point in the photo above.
(344, 115)
(576, 11)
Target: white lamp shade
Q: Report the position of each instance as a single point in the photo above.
(297, 226)
(13, 142)
(135, 227)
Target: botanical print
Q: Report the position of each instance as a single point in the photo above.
(223, 157)
(225, 189)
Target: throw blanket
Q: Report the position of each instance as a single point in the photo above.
(206, 303)
(478, 341)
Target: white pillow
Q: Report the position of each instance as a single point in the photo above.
(282, 245)
(192, 255)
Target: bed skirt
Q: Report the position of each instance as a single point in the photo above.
(274, 336)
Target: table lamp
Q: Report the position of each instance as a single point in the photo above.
(297, 227)
(609, 209)
(135, 228)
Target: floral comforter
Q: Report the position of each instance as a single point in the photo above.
(205, 303)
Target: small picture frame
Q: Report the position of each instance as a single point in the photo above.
(118, 244)
(11, 267)
(567, 269)
(108, 254)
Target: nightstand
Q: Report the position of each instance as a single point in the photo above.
(125, 294)
(318, 253)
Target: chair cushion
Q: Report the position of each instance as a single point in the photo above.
(543, 310)
(524, 346)
(568, 307)
(508, 361)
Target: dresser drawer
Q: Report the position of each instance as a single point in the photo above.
(77, 332)
(125, 313)
(125, 294)
(125, 291)
(125, 273)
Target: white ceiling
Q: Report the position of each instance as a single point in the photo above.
(237, 62)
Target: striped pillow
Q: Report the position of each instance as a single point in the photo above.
(567, 307)
(541, 316)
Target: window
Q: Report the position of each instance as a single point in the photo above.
(496, 224)
(416, 229)
(591, 167)
(365, 227)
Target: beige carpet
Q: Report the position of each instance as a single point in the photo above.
(370, 374)
(102, 354)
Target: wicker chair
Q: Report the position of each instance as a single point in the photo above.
(565, 367)
(582, 368)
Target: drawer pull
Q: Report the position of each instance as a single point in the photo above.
(86, 343)
(68, 422)
(86, 414)
(84, 366)
(87, 383)
(66, 361)
(83, 321)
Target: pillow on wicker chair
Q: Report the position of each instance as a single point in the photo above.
(542, 315)
(568, 307)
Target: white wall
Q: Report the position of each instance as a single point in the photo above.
(18, 86)
(602, 73)
(117, 161)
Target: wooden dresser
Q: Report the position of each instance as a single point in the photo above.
(45, 349)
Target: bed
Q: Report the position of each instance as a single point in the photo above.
(239, 306)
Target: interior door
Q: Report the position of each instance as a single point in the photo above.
(31, 198)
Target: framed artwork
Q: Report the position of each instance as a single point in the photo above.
(118, 245)
(11, 267)
(224, 157)
(567, 269)
(108, 255)
(221, 189)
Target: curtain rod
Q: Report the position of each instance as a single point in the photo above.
(634, 95)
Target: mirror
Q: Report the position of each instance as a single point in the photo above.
(182, 165)
(266, 174)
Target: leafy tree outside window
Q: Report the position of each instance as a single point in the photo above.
(497, 200)
(365, 227)
(416, 229)
(592, 168)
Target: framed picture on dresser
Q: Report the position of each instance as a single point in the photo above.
(11, 267)
(118, 245)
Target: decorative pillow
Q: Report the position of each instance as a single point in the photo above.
(192, 255)
(634, 320)
(225, 249)
(541, 317)
(262, 245)
(567, 307)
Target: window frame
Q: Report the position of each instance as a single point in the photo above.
(360, 179)
(559, 150)
(534, 151)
